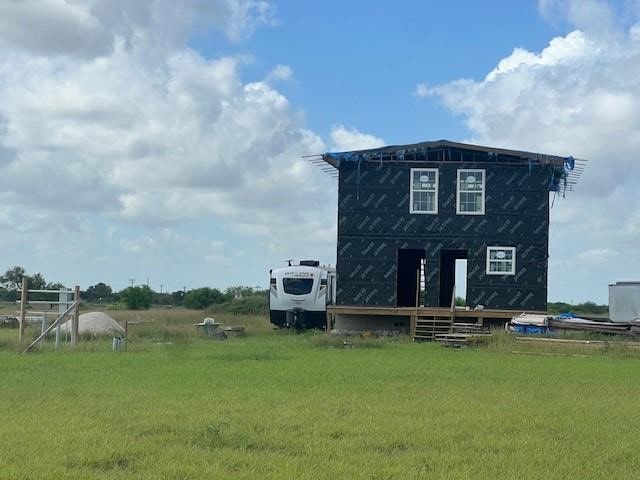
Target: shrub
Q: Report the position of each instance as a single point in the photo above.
(137, 298)
(203, 297)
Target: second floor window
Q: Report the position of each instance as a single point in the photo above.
(470, 192)
(424, 190)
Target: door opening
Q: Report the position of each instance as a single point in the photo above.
(461, 281)
(408, 280)
(448, 270)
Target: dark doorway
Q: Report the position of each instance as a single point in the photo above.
(448, 274)
(407, 281)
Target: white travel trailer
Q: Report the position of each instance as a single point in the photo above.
(299, 294)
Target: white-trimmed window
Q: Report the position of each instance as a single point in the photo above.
(501, 260)
(470, 192)
(424, 190)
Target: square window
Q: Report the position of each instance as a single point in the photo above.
(470, 188)
(501, 260)
(424, 190)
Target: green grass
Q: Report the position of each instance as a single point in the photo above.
(280, 405)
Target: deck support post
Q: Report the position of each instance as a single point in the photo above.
(413, 320)
(23, 307)
(75, 319)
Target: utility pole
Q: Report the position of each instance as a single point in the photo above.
(131, 280)
(161, 287)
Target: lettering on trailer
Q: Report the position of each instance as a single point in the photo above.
(296, 274)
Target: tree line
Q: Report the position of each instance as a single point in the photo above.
(241, 300)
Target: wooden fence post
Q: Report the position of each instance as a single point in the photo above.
(23, 307)
(75, 319)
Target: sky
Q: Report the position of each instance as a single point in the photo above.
(163, 142)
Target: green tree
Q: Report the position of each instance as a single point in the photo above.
(12, 278)
(238, 292)
(100, 292)
(203, 297)
(164, 298)
(177, 297)
(37, 281)
(137, 298)
(8, 295)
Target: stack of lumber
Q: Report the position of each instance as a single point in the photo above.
(590, 344)
(591, 326)
(463, 334)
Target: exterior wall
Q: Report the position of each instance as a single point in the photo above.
(374, 222)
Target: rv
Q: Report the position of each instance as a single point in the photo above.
(299, 294)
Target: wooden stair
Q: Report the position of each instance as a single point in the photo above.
(428, 327)
(445, 331)
(463, 334)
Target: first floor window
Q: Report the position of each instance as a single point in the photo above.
(501, 260)
(424, 190)
(470, 190)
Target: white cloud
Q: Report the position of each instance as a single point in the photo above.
(137, 245)
(280, 73)
(92, 28)
(596, 255)
(109, 122)
(596, 16)
(346, 139)
(578, 96)
(152, 140)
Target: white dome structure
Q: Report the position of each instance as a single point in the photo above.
(95, 323)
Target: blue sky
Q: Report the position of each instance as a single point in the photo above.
(164, 140)
(354, 60)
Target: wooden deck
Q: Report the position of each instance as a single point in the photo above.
(425, 312)
(425, 322)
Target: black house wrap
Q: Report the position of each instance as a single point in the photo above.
(381, 244)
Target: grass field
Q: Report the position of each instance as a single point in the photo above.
(278, 405)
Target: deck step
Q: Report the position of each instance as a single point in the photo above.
(427, 327)
(461, 339)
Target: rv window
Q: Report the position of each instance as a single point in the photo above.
(297, 286)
